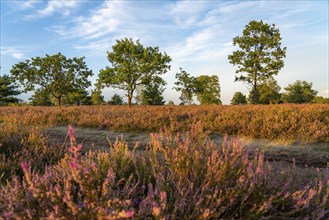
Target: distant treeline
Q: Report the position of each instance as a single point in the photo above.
(136, 69)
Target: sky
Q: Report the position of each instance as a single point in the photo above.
(196, 34)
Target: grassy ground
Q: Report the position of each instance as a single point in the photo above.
(316, 154)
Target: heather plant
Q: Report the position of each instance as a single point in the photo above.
(288, 122)
(19, 142)
(181, 175)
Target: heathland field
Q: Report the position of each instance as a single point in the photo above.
(168, 162)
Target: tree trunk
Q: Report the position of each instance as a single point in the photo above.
(59, 100)
(255, 90)
(129, 101)
(130, 96)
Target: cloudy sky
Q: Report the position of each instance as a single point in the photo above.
(196, 34)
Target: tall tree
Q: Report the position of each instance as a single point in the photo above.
(185, 85)
(152, 94)
(132, 65)
(57, 74)
(239, 99)
(8, 90)
(208, 89)
(299, 92)
(260, 55)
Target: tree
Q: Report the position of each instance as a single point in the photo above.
(170, 102)
(132, 65)
(260, 57)
(78, 97)
(152, 94)
(299, 92)
(96, 97)
(269, 92)
(116, 100)
(239, 99)
(40, 98)
(186, 85)
(57, 74)
(320, 100)
(208, 89)
(8, 90)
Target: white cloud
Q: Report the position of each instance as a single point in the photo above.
(98, 47)
(101, 21)
(187, 14)
(55, 6)
(14, 52)
(27, 3)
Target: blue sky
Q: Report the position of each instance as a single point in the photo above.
(196, 34)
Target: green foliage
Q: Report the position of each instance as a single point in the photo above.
(40, 98)
(320, 100)
(239, 99)
(269, 92)
(96, 97)
(185, 85)
(57, 74)
(79, 97)
(152, 93)
(260, 55)
(299, 92)
(132, 65)
(208, 89)
(116, 100)
(170, 102)
(8, 89)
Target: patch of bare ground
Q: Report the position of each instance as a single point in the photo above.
(99, 139)
(303, 155)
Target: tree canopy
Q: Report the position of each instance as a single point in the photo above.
(269, 92)
(116, 100)
(40, 98)
(96, 97)
(299, 92)
(239, 99)
(185, 85)
(320, 100)
(8, 90)
(152, 93)
(208, 89)
(56, 74)
(260, 55)
(132, 65)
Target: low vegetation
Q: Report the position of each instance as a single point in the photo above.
(180, 175)
(303, 123)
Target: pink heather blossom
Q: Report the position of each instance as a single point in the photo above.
(24, 166)
(72, 165)
(71, 132)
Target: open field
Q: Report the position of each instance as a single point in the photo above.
(303, 123)
(165, 162)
